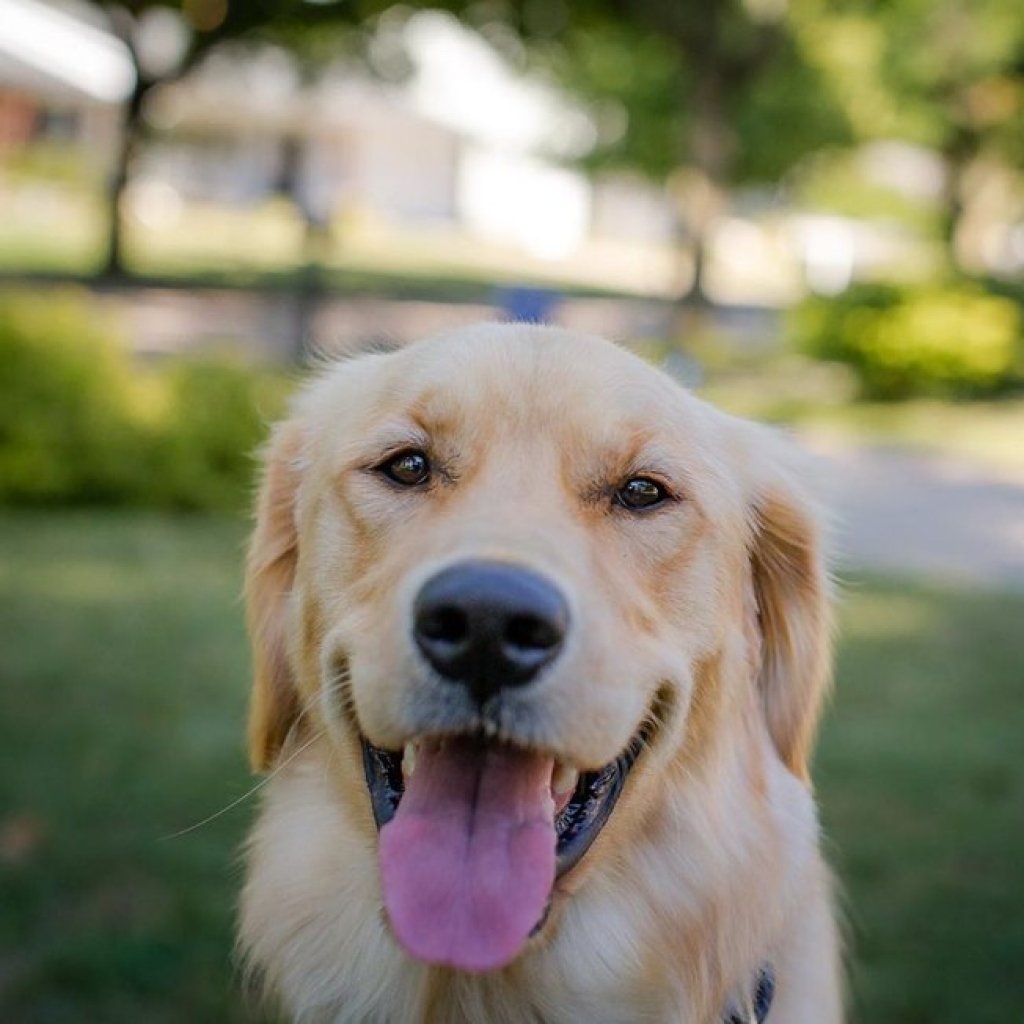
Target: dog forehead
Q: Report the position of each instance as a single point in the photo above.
(524, 361)
(500, 375)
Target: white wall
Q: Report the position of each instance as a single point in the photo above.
(513, 199)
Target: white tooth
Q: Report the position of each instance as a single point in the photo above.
(409, 759)
(564, 779)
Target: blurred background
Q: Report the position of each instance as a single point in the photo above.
(810, 210)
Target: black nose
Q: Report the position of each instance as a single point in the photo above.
(488, 625)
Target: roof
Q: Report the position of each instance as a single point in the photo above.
(50, 52)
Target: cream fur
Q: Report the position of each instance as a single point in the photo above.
(717, 610)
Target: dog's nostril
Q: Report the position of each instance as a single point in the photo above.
(488, 625)
(531, 633)
(450, 625)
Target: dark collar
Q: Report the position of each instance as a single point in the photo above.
(756, 1012)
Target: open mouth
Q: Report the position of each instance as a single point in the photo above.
(473, 835)
(583, 801)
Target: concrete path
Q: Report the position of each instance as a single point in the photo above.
(929, 514)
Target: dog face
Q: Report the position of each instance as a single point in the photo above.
(498, 570)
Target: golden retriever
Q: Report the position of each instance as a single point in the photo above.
(540, 645)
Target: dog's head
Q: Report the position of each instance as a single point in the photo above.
(516, 577)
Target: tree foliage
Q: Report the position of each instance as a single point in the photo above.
(203, 24)
(947, 74)
(736, 91)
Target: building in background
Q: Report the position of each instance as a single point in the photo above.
(464, 150)
(62, 78)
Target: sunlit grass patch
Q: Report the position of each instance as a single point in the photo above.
(817, 399)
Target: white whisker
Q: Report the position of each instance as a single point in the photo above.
(249, 793)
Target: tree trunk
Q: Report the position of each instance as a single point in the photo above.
(957, 162)
(711, 149)
(127, 149)
(959, 151)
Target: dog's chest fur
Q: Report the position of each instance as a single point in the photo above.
(640, 942)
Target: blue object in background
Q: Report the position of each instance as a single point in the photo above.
(527, 305)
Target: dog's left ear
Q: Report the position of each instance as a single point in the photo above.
(791, 599)
(269, 576)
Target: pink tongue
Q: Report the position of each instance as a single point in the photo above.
(468, 861)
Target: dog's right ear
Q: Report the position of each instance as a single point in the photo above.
(269, 577)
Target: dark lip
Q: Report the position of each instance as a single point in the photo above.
(578, 824)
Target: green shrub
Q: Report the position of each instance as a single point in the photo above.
(66, 430)
(953, 341)
(216, 416)
(81, 423)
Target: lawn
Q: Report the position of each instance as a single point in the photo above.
(818, 399)
(122, 690)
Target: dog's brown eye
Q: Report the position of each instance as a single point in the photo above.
(407, 468)
(639, 493)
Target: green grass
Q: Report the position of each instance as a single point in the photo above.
(123, 678)
(987, 433)
(122, 685)
(818, 398)
(921, 780)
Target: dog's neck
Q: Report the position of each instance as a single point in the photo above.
(632, 942)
